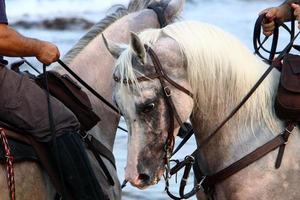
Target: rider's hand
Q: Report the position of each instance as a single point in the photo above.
(271, 14)
(296, 9)
(48, 53)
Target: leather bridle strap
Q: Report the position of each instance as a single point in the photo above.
(167, 94)
(164, 77)
(160, 72)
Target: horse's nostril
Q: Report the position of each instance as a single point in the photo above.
(144, 178)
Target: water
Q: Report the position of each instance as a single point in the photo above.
(234, 16)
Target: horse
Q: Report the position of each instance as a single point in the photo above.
(205, 72)
(90, 60)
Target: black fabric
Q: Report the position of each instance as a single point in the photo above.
(19, 150)
(159, 9)
(77, 173)
(3, 18)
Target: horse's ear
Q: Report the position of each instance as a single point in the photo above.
(174, 9)
(114, 49)
(138, 47)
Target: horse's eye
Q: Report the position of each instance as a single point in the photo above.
(149, 107)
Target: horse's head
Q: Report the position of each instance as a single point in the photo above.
(145, 103)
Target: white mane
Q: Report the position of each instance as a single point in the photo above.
(221, 71)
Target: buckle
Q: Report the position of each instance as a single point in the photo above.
(167, 91)
(287, 130)
(86, 136)
(199, 186)
(190, 159)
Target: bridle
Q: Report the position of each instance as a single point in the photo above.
(163, 78)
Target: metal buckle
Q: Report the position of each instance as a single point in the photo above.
(167, 91)
(199, 185)
(190, 158)
(87, 135)
(290, 132)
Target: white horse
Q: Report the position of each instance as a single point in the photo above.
(219, 70)
(93, 63)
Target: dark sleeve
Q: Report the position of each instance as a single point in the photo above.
(291, 1)
(3, 18)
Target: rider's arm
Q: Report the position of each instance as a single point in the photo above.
(286, 10)
(14, 44)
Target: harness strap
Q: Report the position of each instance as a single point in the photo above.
(102, 150)
(159, 70)
(207, 182)
(279, 141)
(96, 148)
(172, 111)
(285, 135)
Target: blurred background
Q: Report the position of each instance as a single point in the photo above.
(63, 22)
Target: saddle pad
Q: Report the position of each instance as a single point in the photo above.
(19, 150)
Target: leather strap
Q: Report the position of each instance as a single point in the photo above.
(161, 72)
(279, 141)
(286, 135)
(103, 151)
(98, 149)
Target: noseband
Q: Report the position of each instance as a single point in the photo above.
(163, 78)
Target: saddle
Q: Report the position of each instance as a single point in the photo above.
(72, 96)
(287, 102)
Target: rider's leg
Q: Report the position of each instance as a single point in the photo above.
(24, 105)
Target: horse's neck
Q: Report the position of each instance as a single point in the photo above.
(241, 134)
(94, 64)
